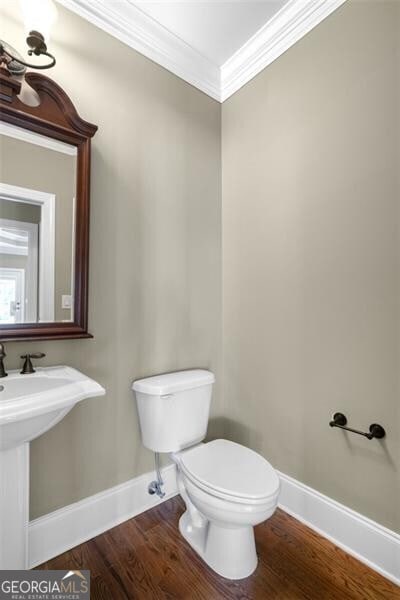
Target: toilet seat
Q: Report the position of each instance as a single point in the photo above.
(230, 471)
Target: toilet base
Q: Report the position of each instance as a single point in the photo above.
(229, 551)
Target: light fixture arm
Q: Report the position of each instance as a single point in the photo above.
(37, 46)
(29, 65)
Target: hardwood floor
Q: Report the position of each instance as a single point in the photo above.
(146, 558)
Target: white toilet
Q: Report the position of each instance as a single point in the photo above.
(226, 487)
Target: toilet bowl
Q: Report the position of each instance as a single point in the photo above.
(227, 488)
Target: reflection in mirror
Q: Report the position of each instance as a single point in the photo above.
(37, 227)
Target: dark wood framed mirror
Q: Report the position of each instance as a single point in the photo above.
(44, 212)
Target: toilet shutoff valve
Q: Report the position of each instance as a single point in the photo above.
(155, 487)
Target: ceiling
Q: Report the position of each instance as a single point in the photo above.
(217, 46)
(216, 29)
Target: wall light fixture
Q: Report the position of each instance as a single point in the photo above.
(39, 16)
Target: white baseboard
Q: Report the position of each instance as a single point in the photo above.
(369, 542)
(63, 529)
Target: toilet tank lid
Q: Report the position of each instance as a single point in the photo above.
(159, 385)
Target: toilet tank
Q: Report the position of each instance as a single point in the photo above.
(174, 409)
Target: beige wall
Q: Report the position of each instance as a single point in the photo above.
(155, 272)
(31, 166)
(17, 211)
(311, 258)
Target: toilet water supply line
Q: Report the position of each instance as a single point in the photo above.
(155, 487)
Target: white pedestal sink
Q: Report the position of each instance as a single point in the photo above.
(29, 406)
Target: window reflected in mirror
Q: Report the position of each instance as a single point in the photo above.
(37, 227)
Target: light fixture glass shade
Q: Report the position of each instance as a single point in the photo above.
(39, 15)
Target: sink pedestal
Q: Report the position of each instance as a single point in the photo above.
(30, 405)
(14, 507)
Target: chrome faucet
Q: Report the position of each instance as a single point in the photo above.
(2, 357)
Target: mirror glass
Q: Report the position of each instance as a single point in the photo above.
(37, 227)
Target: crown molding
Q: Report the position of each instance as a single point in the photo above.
(133, 27)
(127, 23)
(281, 32)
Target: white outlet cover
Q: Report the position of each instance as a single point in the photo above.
(66, 301)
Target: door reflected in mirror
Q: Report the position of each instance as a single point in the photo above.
(37, 227)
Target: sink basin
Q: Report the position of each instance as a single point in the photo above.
(29, 406)
(32, 404)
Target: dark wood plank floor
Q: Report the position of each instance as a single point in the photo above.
(146, 558)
